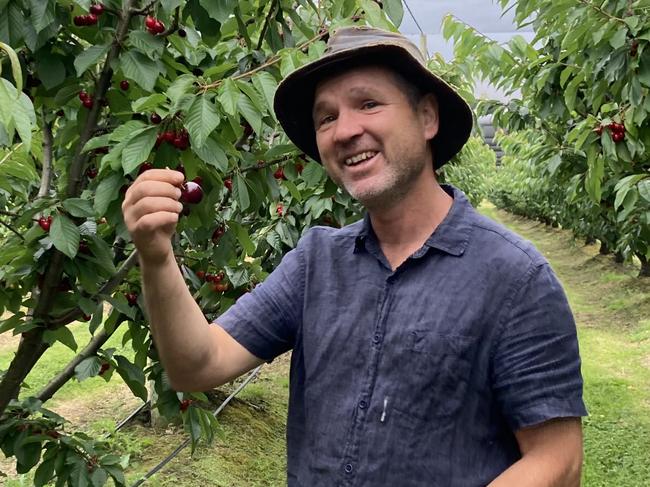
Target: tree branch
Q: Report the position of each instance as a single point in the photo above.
(6, 225)
(601, 11)
(68, 371)
(270, 62)
(106, 289)
(46, 176)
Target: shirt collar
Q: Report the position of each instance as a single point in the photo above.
(451, 236)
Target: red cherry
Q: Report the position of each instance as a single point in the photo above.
(191, 193)
(200, 275)
(218, 233)
(155, 118)
(78, 20)
(131, 298)
(83, 95)
(279, 174)
(149, 22)
(83, 247)
(169, 136)
(180, 168)
(105, 366)
(159, 27)
(198, 180)
(182, 33)
(85, 318)
(280, 209)
(45, 223)
(299, 168)
(248, 130)
(145, 166)
(185, 404)
(91, 19)
(97, 9)
(124, 85)
(91, 172)
(221, 287)
(618, 136)
(228, 184)
(87, 103)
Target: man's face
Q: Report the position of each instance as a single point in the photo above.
(371, 140)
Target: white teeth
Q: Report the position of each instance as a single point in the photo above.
(351, 161)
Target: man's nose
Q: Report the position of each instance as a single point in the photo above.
(347, 126)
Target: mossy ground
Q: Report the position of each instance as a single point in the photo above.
(612, 309)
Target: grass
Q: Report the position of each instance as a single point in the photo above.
(611, 307)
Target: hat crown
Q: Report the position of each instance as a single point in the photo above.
(347, 38)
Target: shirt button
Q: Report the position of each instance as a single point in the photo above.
(376, 338)
(348, 468)
(363, 404)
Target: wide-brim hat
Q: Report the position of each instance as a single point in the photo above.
(350, 47)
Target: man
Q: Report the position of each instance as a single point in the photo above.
(430, 346)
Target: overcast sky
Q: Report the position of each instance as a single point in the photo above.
(484, 15)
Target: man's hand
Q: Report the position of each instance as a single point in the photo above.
(151, 210)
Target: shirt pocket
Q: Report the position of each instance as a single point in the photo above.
(436, 374)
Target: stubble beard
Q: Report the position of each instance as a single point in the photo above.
(395, 183)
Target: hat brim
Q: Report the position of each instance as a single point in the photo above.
(294, 98)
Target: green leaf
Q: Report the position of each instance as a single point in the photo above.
(201, 119)
(88, 367)
(16, 69)
(42, 14)
(140, 68)
(618, 39)
(243, 237)
(107, 191)
(65, 235)
(147, 103)
(219, 10)
(394, 10)
(229, 95)
(27, 456)
(137, 149)
(644, 189)
(312, 174)
(180, 87)
(152, 46)
(44, 472)
(132, 375)
(90, 56)
(252, 116)
(79, 207)
(240, 192)
(63, 335)
(266, 84)
(51, 70)
(211, 153)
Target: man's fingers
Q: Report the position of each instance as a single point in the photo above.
(152, 205)
(175, 178)
(149, 188)
(153, 222)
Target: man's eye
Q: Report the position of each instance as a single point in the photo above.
(325, 120)
(370, 104)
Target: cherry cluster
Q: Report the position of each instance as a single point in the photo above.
(96, 10)
(153, 25)
(217, 280)
(86, 99)
(178, 138)
(618, 131)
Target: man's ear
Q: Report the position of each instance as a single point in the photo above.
(430, 115)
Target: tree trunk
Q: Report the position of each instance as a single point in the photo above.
(604, 248)
(645, 266)
(30, 350)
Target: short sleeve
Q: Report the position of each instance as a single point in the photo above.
(265, 320)
(536, 362)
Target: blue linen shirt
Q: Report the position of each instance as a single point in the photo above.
(418, 376)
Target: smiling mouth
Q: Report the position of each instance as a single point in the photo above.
(359, 158)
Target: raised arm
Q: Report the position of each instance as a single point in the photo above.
(195, 355)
